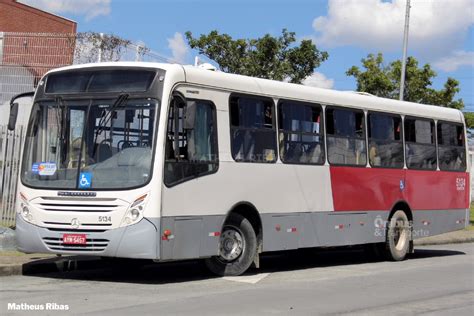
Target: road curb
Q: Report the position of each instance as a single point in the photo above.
(51, 265)
(428, 241)
(7, 270)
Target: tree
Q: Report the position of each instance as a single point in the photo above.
(266, 57)
(469, 117)
(384, 81)
(89, 45)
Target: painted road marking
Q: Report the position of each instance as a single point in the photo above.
(252, 279)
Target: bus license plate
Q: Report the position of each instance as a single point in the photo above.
(74, 239)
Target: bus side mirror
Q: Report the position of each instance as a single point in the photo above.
(190, 115)
(13, 116)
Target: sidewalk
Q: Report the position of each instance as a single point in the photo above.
(16, 263)
(456, 237)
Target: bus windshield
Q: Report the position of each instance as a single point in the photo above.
(90, 144)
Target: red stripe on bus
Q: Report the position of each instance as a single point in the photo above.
(375, 189)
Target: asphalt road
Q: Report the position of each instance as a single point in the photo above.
(436, 280)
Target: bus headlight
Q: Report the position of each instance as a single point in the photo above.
(25, 210)
(135, 211)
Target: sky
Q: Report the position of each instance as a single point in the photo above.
(441, 31)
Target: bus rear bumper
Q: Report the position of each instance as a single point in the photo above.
(135, 241)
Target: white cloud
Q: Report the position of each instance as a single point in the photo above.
(178, 46)
(457, 59)
(436, 26)
(319, 80)
(89, 8)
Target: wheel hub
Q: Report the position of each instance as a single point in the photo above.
(231, 244)
(400, 234)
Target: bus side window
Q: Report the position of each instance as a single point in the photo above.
(190, 153)
(420, 144)
(345, 134)
(451, 147)
(300, 133)
(253, 132)
(385, 141)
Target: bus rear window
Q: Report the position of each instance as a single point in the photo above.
(100, 81)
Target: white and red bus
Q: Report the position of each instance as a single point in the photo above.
(171, 162)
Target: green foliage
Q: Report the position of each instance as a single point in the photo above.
(469, 117)
(384, 81)
(266, 57)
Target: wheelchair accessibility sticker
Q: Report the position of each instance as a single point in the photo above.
(85, 179)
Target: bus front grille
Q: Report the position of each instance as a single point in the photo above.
(76, 204)
(85, 227)
(92, 245)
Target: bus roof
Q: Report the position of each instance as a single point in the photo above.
(271, 88)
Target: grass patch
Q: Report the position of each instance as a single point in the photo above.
(12, 253)
(471, 218)
(7, 225)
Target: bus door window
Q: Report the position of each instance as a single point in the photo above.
(190, 152)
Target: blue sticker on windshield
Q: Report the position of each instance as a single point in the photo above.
(85, 179)
(35, 168)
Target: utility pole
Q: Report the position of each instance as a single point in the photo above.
(99, 58)
(405, 45)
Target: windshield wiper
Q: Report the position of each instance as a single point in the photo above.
(121, 99)
(59, 121)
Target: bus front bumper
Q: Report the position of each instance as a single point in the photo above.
(135, 241)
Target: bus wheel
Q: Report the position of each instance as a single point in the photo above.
(397, 243)
(237, 247)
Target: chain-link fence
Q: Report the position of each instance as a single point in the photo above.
(25, 58)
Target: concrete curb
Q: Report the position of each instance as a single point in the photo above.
(52, 265)
(435, 240)
(11, 269)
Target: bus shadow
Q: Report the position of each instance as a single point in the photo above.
(148, 272)
(332, 257)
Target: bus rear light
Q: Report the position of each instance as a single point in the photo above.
(214, 234)
(167, 232)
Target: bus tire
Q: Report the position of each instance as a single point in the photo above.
(237, 247)
(397, 244)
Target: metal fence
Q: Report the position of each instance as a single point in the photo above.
(10, 152)
(24, 59)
